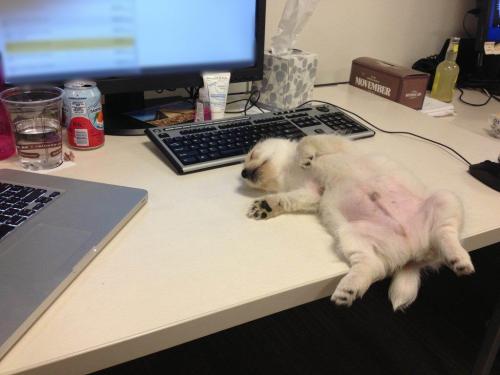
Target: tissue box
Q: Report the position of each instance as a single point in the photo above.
(394, 82)
(288, 80)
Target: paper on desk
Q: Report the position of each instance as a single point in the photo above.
(294, 17)
(437, 108)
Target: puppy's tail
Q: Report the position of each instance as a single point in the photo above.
(404, 286)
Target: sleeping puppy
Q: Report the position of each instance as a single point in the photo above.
(383, 221)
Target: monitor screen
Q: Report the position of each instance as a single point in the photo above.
(493, 32)
(127, 40)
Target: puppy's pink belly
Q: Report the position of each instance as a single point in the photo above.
(390, 208)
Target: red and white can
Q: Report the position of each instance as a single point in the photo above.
(83, 114)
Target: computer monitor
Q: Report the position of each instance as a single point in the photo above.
(486, 73)
(477, 68)
(488, 26)
(130, 46)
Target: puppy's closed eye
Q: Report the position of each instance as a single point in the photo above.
(254, 155)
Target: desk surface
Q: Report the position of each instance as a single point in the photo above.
(191, 263)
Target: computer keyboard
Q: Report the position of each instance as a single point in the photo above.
(198, 146)
(19, 202)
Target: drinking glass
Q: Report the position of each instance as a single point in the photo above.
(36, 115)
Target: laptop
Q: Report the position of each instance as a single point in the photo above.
(50, 229)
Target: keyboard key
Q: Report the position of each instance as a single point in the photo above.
(189, 160)
(186, 154)
(172, 143)
(23, 192)
(16, 220)
(26, 212)
(4, 187)
(34, 195)
(11, 211)
(199, 129)
(16, 188)
(4, 229)
(12, 200)
(5, 206)
(232, 152)
(38, 206)
(20, 205)
(43, 199)
(203, 158)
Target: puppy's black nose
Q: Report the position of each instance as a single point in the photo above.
(244, 173)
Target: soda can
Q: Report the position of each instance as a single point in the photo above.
(83, 114)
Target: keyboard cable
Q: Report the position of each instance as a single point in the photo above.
(390, 131)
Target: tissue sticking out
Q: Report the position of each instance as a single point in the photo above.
(294, 17)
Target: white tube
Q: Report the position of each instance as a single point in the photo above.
(217, 85)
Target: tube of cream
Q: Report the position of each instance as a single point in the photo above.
(217, 85)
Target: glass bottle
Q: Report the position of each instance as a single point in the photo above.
(446, 75)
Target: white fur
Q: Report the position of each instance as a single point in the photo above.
(383, 220)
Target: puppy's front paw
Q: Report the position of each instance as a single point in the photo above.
(264, 208)
(306, 155)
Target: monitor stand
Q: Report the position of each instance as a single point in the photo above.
(116, 107)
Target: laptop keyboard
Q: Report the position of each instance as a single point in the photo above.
(18, 203)
(213, 144)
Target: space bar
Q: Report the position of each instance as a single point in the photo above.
(232, 152)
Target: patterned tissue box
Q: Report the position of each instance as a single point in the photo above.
(288, 80)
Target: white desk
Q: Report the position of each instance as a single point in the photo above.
(191, 263)
(474, 119)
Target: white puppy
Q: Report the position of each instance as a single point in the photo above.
(383, 221)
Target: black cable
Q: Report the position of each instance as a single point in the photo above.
(475, 104)
(249, 103)
(245, 108)
(390, 131)
(331, 84)
(192, 92)
(252, 104)
(493, 96)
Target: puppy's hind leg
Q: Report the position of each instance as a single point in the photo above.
(444, 235)
(366, 267)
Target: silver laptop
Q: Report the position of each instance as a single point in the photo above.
(50, 229)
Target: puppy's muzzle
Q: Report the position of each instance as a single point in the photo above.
(249, 174)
